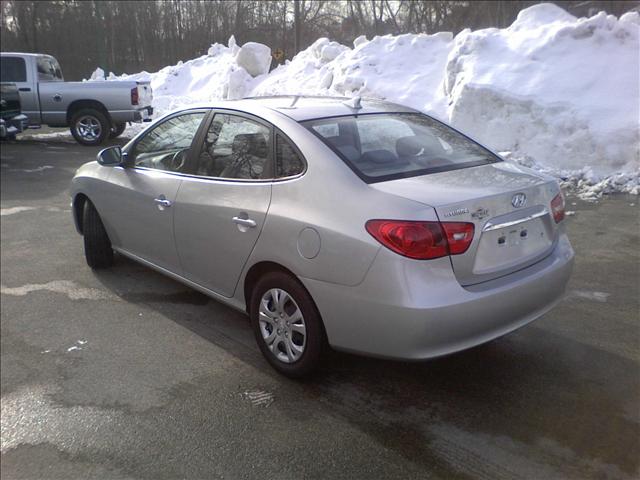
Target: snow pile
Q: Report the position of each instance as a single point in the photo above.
(226, 72)
(553, 92)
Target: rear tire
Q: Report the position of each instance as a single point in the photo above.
(314, 339)
(90, 126)
(97, 246)
(117, 130)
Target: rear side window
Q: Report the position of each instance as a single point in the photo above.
(13, 69)
(288, 162)
(236, 147)
(386, 146)
(48, 70)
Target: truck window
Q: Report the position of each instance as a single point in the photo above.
(48, 70)
(13, 69)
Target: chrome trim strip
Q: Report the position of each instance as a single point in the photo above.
(496, 226)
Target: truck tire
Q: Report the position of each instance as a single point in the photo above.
(97, 246)
(117, 129)
(90, 126)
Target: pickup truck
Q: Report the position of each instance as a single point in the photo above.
(94, 111)
(12, 120)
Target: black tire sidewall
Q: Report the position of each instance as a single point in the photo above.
(310, 358)
(97, 246)
(105, 126)
(117, 129)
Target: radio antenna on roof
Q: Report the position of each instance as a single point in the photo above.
(354, 102)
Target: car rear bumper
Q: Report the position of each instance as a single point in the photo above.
(413, 310)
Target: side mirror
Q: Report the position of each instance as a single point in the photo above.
(110, 156)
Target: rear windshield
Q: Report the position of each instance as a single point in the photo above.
(386, 146)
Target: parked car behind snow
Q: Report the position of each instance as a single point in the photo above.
(12, 120)
(94, 111)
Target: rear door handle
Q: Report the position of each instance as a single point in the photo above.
(245, 222)
(163, 202)
(24, 89)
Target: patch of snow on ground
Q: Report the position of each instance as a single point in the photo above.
(554, 92)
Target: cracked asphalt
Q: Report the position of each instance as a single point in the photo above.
(127, 374)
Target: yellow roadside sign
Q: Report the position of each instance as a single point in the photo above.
(278, 54)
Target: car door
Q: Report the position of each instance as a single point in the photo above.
(221, 209)
(14, 70)
(144, 193)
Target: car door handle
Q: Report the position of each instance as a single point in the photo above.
(24, 89)
(163, 202)
(245, 222)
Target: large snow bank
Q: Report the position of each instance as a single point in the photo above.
(554, 92)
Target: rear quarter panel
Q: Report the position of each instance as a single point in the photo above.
(330, 199)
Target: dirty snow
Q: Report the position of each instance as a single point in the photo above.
(553, 92)
(14, 210)
(65, 287)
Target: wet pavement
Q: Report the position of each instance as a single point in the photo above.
(127, 374)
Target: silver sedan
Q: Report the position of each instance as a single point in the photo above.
(359, 224)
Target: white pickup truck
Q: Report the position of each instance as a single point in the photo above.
(94, 111)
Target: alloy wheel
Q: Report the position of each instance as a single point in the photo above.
(282, 325)
(89, 128)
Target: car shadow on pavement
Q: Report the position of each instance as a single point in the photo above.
(533, 389)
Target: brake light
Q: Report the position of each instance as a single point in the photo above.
(459, 236)
(134, 96)
(422, 240)
(557, 208)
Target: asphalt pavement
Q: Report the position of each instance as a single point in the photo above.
(127, 374)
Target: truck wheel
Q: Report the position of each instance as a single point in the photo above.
(117, 130)
(97, 246)
(90, 127)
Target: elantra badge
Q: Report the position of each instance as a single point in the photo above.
(518, 200)
(480, 213)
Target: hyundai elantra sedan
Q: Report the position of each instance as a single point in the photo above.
(357, 224)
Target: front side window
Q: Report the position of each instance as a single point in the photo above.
(387, 146)
(235, 147)
(166, 146)
(288, 162)
(13, 69)
(48, 69)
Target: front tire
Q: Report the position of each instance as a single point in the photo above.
(286, 324)
(90, 127)
(97, 246)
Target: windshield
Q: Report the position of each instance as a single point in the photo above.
(387, 146)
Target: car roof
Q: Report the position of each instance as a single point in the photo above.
(305, 107)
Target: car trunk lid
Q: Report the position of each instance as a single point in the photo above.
(508, 206)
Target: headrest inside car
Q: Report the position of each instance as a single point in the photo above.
(378, 156)
(250, 144)
(414, 146)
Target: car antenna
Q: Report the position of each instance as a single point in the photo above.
(354, 102)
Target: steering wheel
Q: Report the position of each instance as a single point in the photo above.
(177, 160)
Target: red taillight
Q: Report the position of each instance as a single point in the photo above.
(422, 240)
(134, 96)
(459, 236)
(557, 208)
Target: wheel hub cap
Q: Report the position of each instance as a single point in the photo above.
(88, 127)
(282, 325)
